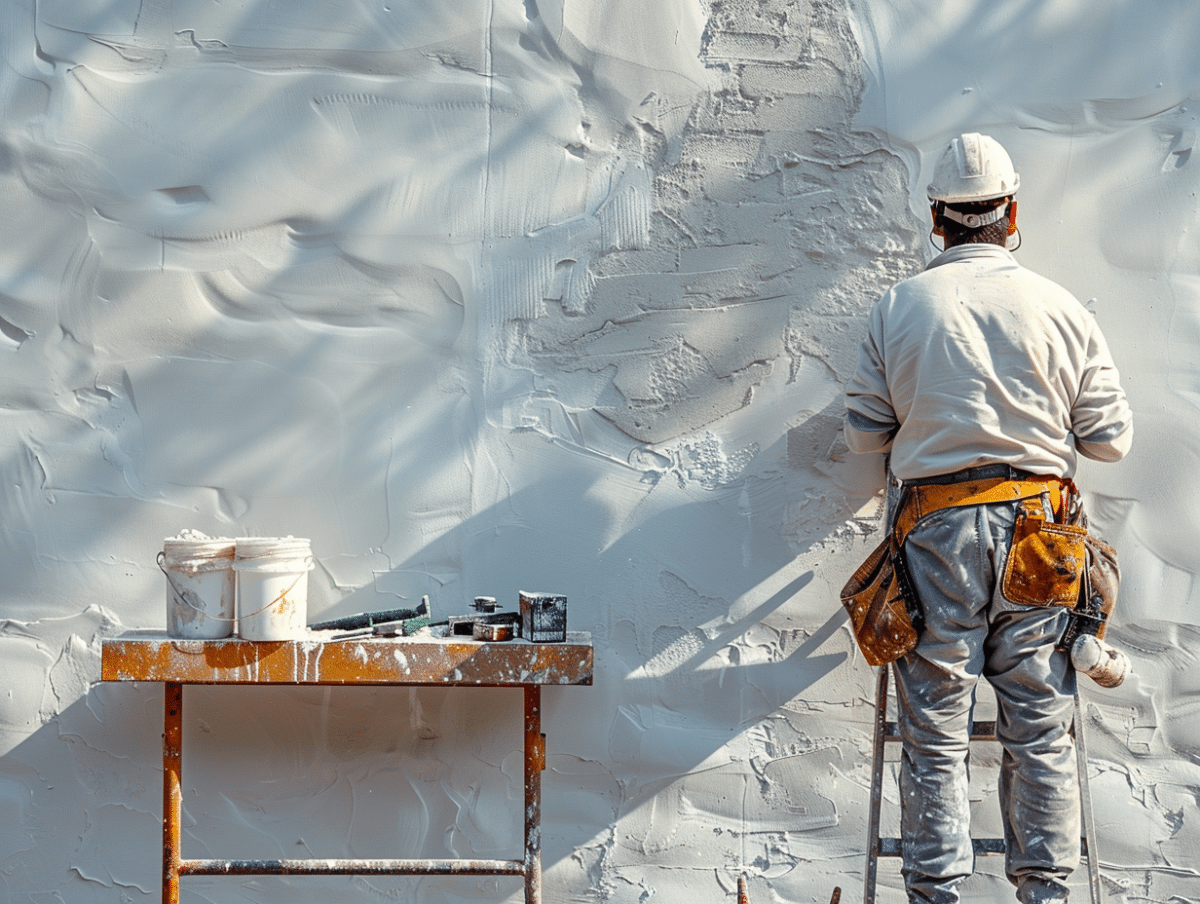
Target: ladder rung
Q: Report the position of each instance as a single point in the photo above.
(980, 731)
(890, 847)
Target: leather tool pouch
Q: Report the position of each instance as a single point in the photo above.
(1101, 577)
(1046, 560)
(882, 605)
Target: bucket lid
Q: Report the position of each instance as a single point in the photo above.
(195, 554)
(269, 552)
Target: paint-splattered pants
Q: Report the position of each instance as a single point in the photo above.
(956, 557)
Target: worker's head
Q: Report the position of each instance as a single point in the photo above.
(971, 195)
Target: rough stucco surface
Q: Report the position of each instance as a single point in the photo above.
(489, 295)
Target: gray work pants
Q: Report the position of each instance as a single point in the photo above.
(956, 558)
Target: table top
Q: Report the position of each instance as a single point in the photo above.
(424, 660)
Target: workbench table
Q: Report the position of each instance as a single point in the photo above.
(424, 660)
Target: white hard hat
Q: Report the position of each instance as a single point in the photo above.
(973, 167)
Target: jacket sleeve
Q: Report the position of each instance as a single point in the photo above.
(1100, 418)
(871, 423)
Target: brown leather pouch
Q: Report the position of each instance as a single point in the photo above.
(1045, 562)
(875, 598)
(1103, 577)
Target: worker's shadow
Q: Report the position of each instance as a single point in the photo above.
(668, 659)
(777, 680)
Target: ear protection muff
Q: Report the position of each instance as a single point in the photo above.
(1014, 234)
(936, 209)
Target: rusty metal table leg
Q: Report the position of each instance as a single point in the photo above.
(172, 794)
(535, 762)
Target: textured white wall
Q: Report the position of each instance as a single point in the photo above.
(552, 294)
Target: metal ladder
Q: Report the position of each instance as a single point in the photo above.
(886, 731)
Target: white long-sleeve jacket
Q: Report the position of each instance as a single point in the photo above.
(977, 361)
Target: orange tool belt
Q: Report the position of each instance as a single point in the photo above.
(1044, 565)
(924, 499)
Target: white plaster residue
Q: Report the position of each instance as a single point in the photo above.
(105, 842)
(501, 293)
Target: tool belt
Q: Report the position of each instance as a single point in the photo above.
(1046, 566)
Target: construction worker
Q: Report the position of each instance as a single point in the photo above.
(978, 370)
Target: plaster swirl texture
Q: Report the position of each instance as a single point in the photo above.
(493, 294)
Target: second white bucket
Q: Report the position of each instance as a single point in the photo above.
(272, 577)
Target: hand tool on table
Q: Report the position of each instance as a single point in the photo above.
(486, 623)
(385, 623)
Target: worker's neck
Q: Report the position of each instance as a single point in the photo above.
(947, 244)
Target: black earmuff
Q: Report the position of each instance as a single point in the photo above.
(937, 208)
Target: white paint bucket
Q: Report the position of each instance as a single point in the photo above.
(272, 587)
(200, 585)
